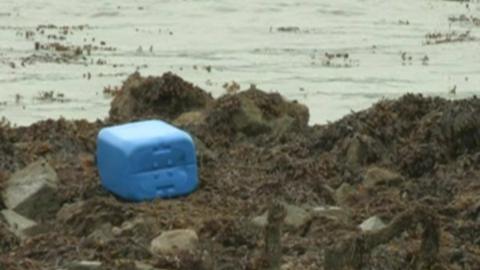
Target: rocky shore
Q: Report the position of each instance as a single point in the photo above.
(392, 187)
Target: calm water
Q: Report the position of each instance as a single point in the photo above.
(277, 45)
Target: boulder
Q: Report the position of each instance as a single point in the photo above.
(171, 242)
(255, 112)
(375, 176)
(372, 224)
(32, 191)
(164, 97)
(17, 224)
(295, 217)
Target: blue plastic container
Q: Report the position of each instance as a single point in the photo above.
(146, 160)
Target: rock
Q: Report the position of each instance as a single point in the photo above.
(170, 242)
(102, 234)
(190, 119)
(356, 152)
(68, 211)
(248, 119)
(361, 150)
(295, 217)
(141, 228)
(344, 193)
(332, 212)
(84, 265)
(375, 176)
(260, 221)
(372, 224)
(144, 266)
(18, 224)
(203, 152)
(164, 97)
(253, 112)
(8, 240)
(32, 191)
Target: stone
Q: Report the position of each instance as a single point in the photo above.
(173, 241)
(17, 224)
(103, 234)
(295, 217)
(249, 118)
(356, 152)
(32, 191)
(361, 150)
(254, 112)
(344, 193)
(190, 118)
(143, 266)
(375, 176)
(70, 210)
(332, 212)
(84, 265)
(372, 224)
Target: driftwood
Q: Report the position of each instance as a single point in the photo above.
(273, 234)
(352, 253)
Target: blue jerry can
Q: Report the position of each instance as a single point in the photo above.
(145, 160)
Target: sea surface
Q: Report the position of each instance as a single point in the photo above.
(334, 56)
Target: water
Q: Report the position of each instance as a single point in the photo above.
(240, 41)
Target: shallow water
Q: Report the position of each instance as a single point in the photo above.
(241, 41)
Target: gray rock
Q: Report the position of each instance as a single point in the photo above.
(170, 242)
(17, 224)
(190, 118)
(375, 176)
(102, 234)
(84, 265)
(260, 221)
(70, 210)
(372, 224)
(295, 218)
(32, 191)
(144, 266)
(332, 212)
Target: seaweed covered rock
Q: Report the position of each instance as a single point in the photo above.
(255, 112)
(164, 97)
